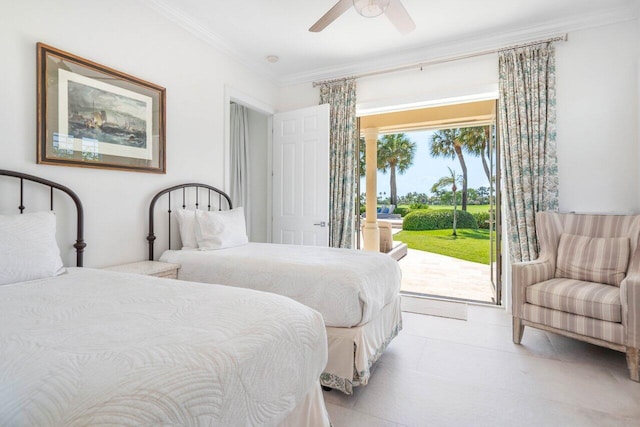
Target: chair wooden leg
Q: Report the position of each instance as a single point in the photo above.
(518, 330)
(633, 362)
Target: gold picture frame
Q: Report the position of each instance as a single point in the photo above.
(90, 115)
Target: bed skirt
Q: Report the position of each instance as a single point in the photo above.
(352, 351)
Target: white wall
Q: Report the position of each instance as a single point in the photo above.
(130, 37)
(597, 95)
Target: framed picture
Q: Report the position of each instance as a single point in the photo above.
(90, 115)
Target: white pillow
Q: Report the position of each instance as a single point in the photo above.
(221, 229)
(28, 247)
(187, 227)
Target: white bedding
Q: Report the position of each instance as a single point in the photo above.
(347, 287)
(93, 347)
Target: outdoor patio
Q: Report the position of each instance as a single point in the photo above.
(439, 275)
(434, 274)
(442, 276)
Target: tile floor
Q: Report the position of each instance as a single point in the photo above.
(447, 372)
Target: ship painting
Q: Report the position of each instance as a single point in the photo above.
(105, 116)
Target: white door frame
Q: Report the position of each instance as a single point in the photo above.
(233, 95)
(478, 93)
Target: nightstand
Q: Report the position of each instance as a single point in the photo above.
(148, 268)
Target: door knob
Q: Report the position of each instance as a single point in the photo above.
(321, 224)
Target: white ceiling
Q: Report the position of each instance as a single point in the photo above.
(250, 30)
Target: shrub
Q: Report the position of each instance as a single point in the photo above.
(418, 205)
(437, 220)
(482, 218)
(402, 210)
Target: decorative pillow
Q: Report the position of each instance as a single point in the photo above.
(28, 247)
(593, 259)
(187, 227)
(221, 229)
(385, 210)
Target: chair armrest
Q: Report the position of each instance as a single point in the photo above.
(525, 274)
(630, 299)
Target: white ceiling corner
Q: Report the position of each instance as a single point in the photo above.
(207, 35)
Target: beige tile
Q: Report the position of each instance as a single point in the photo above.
(534, 343)
(344, 417)
(338, 398)
(418, 399)
(405, 350)
(590, 386)
(488, 315)
(575, 351)
(446, 372)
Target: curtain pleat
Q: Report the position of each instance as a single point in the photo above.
(239, 153)
(341, 97)
(527, 108)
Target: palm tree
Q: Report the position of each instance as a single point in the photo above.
(475, 141)
(448, 143)
(445, 182)
(362, 165)
(395, 152)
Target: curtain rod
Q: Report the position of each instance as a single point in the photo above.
(563, 38)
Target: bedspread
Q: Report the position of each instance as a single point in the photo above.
(93, 347)
(347, 287)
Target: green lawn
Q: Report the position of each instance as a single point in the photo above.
(469, 245)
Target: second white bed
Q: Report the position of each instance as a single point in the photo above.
(348, 287)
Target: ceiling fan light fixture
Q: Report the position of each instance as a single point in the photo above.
(370, 8)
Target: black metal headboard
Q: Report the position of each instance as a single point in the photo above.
(80, 244)
(196, 187)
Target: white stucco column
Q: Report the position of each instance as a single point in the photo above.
(371, 230)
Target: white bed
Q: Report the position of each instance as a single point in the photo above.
(93, 347)
(356, 292)
(348, 287)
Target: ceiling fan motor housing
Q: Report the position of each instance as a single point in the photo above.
(370, 8)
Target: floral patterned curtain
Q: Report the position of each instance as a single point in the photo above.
(527, 108)
(341, 97)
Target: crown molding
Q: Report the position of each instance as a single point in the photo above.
(468, 45)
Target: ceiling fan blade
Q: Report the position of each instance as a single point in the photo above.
(333, 14)
(399, 17)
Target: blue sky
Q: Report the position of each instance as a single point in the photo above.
(427, 170)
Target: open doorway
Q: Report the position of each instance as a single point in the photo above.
(436, 164)
(257, 123)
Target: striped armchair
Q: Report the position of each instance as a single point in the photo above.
(585, 284)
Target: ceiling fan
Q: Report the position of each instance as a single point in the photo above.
(394, 10)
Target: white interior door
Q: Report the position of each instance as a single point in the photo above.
(301, 176)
